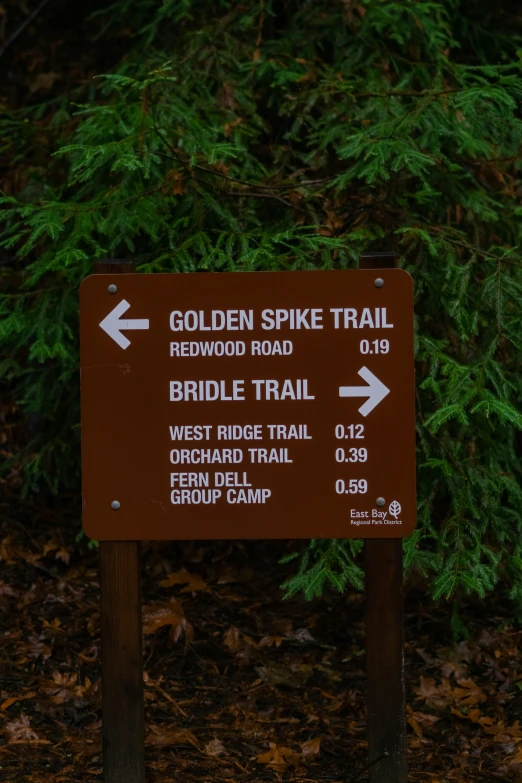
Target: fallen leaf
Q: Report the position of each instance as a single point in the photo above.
(268, 641)
(423, 718)
(7, 551)
(6, 589)
(36, 648)
(455, 658)
(311, 747)
(20, 731)
(469, 694)
(215, 748)
(164, 735)
(171, 613)
(55, 625)
(63, 554)
(413, 723)
(7, 703)
(427, 688)
(436, 696)
(44, 81)
(64, 686)
(232, 638)
(193, 582)
(303, 635)
(279, 757)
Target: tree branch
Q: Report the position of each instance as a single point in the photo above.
(22, 27)
(410, 93)
(471, 248)
(290, 186)
(249, 194)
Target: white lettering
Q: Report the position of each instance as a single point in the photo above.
(215, 321)
(231, 480)
(288, 432)
(190, 432)
(206, 391)
(272, 390)
(239, 432)
(267, 456)
(292, 319)
(248, 495)
(371, 319)
(194, 496)
(189, 480)
(218, 348)
(269, 348)
(205, 456)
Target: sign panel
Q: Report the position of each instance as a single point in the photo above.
(248, 405)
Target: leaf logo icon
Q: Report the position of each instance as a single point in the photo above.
(395, 508)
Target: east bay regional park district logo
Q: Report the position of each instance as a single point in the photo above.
(378, 517)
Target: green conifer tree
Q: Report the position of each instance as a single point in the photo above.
(296, 135)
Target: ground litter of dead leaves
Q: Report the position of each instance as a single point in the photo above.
(239, 684)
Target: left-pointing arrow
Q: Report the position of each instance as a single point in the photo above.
(113, 325)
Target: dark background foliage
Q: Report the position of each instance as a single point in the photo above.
(196, 136)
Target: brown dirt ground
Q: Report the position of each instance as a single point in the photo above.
(240, 685)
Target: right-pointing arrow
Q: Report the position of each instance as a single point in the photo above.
(376, 391)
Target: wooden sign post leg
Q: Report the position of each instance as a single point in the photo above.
(384, 639)
(123, 732)
(122, 663)
(385, 660)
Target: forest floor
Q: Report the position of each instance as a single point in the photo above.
(240, 685)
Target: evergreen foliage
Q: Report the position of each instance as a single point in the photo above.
(296, 135)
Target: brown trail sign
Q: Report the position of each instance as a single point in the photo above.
(248, 405)
(254, 405)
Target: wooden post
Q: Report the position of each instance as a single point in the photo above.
(384, 637)
(123, 733)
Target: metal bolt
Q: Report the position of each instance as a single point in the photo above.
(115, 505)
(379, 282)
(379, 501)
(112, 288)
